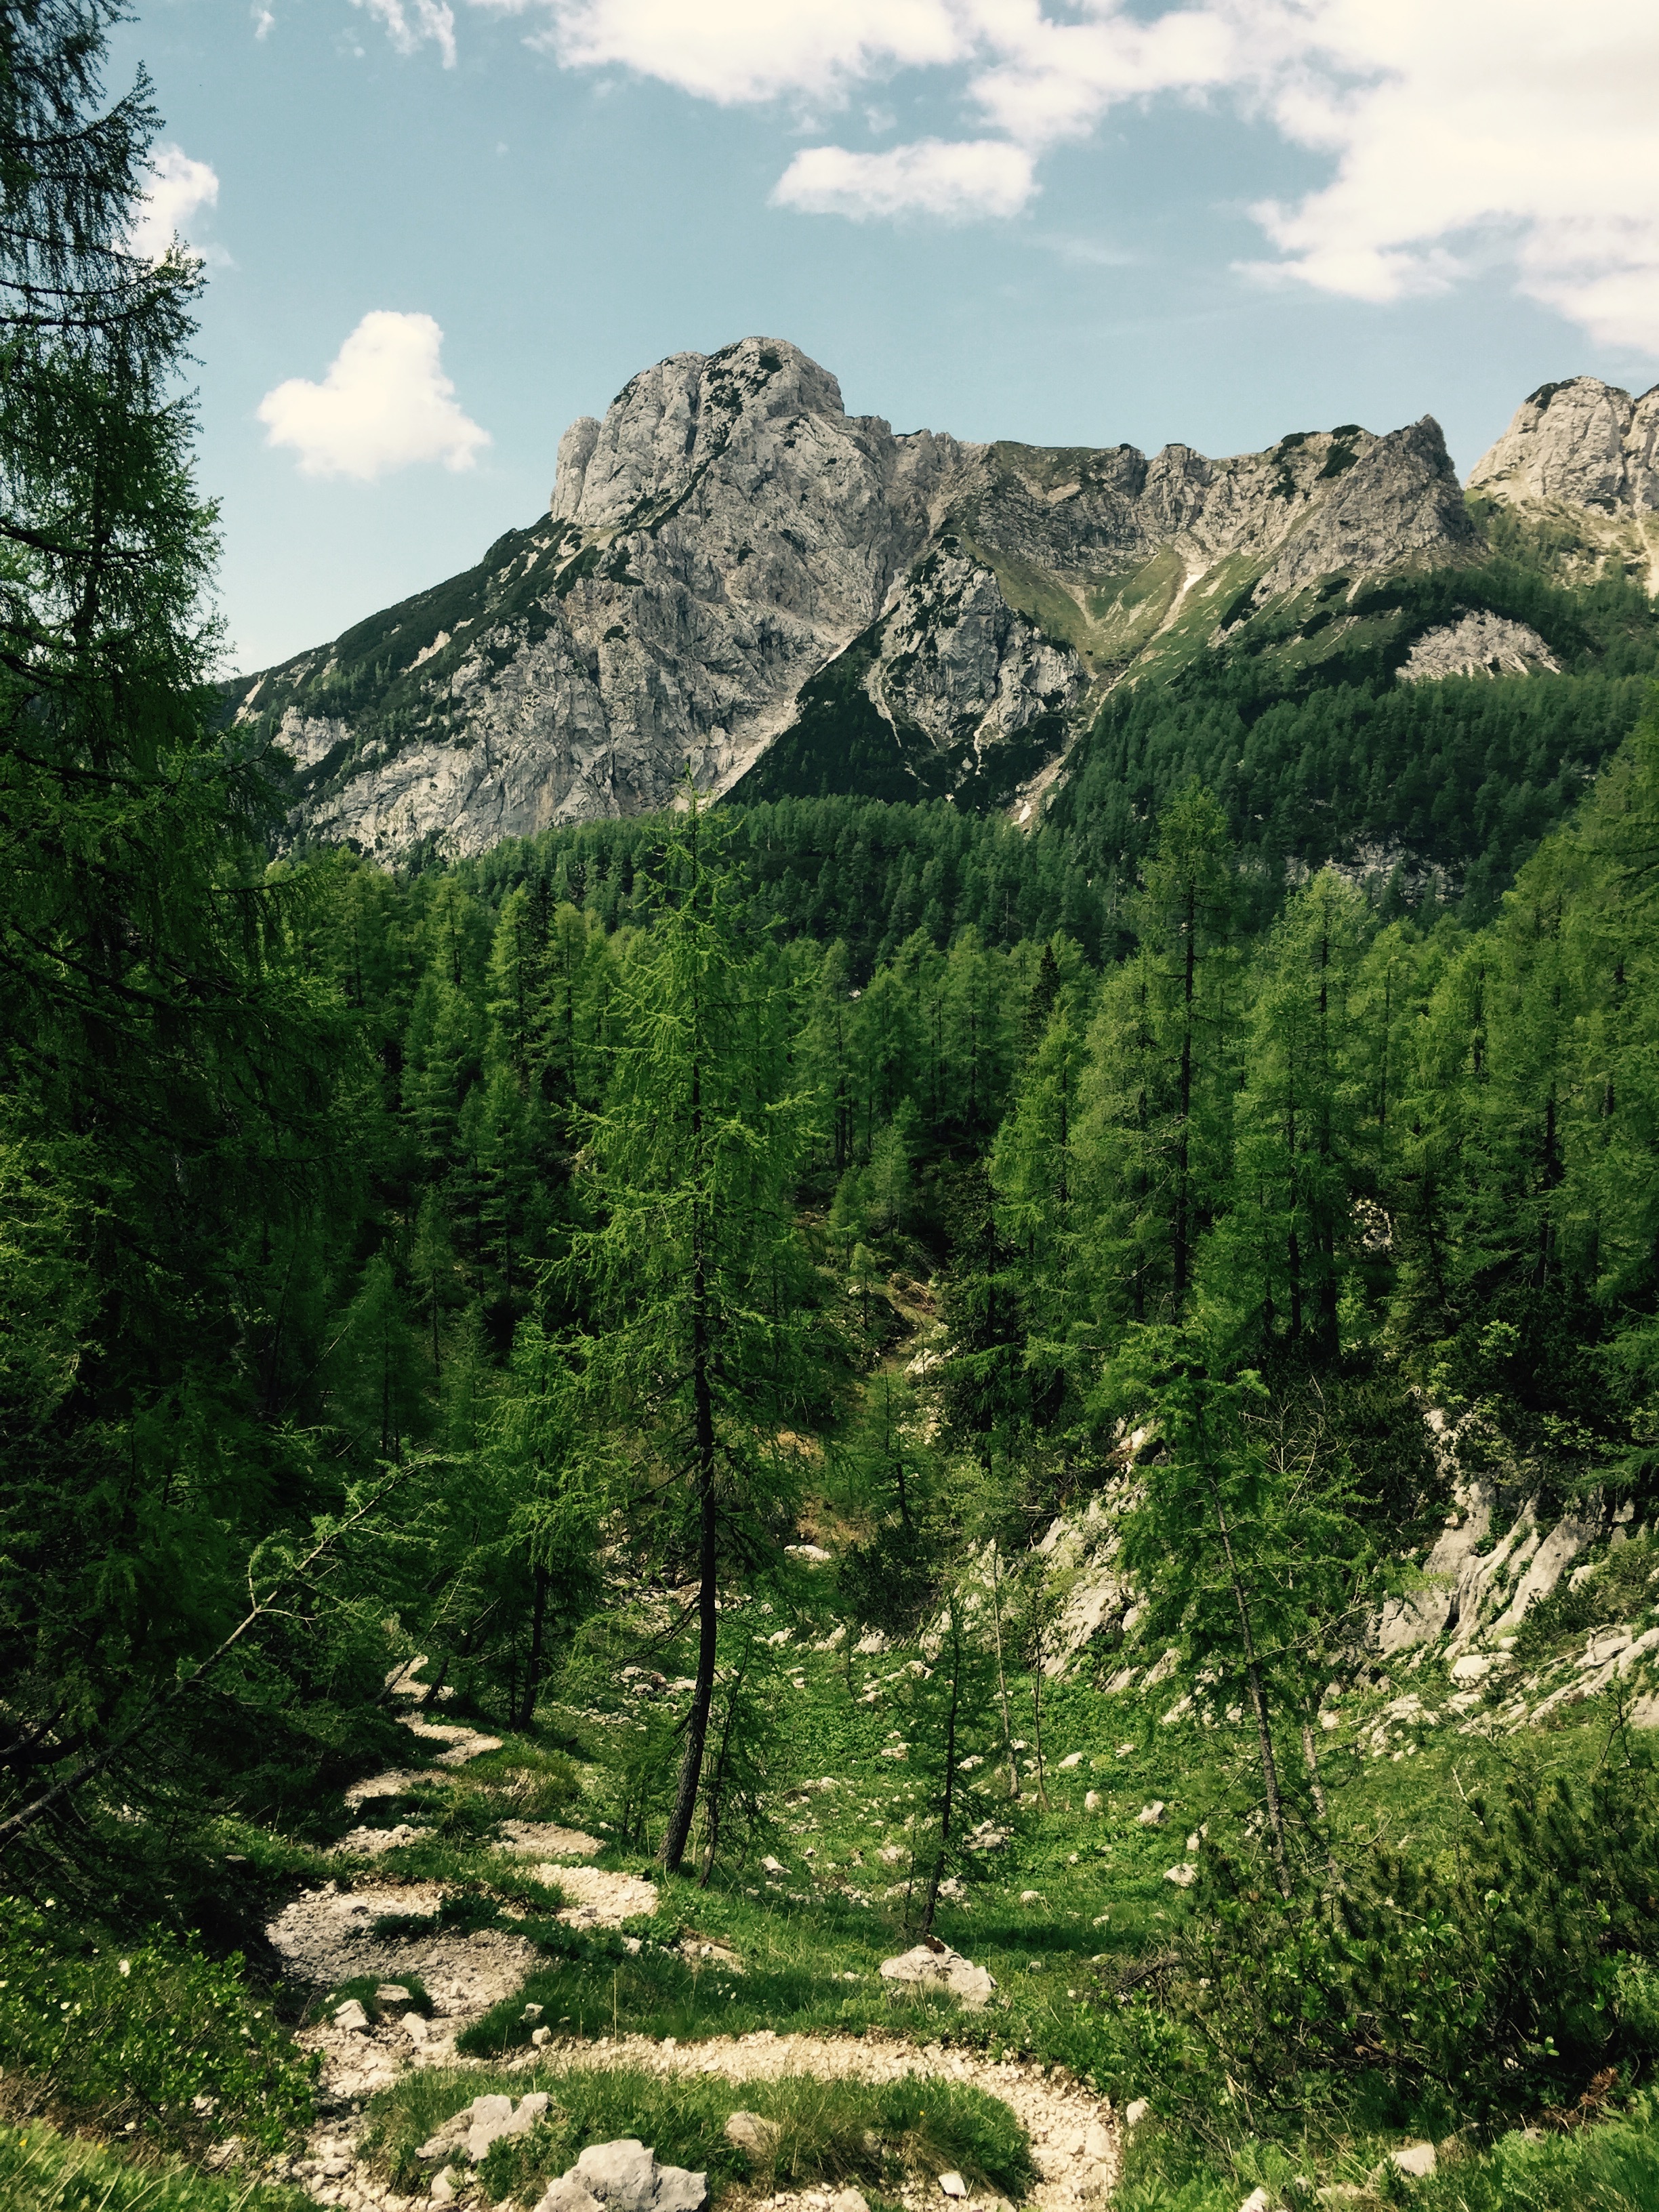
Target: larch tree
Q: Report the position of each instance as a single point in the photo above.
(693, 1269)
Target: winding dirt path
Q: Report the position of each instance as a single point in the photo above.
(324, 1937)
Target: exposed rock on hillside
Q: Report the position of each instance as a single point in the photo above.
(1583, 441)
(739, 578)
(1478, 644)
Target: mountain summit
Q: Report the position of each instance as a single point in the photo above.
(736, 575)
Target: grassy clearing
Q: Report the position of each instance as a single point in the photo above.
(42, 2171)
(876, 2134)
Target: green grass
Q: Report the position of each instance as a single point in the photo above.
(1610, 2167)
(878, 2134)
(42, 2171)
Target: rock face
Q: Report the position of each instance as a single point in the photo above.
(1584, 442)
(1479, 643)
(738, 580)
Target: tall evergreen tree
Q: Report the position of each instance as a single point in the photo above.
(693, 1270)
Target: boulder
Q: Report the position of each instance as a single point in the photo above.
(937, 1966)
(625, 2177)
(566, 2195)
(351, 2015)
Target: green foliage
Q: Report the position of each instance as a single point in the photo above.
(43, 2171)
(142, 2032)
(1491, 1982)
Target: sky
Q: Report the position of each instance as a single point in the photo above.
(437, 231)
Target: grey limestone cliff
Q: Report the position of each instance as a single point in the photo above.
(738, 580)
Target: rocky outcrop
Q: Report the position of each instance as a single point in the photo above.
(1479, 643)
(1582, 441)
(738, 580)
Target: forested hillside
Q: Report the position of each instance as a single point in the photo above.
(899, 1375)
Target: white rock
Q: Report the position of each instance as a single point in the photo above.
(1416, 2159)
(1071, 1759)
(1135, 2112)
(942, 1968)
(1184, 1876)
(1098, 2142)
(443, 2186)
(848, 2200)
(1091, 1800)
(1150, 1816)
(414, 2027)
(566, 2194)
(1257, 2201)
(952, 2184)
(351, 2015)
(540, 2037)
(625, 2176)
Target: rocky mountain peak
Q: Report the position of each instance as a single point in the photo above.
(739, 578)
(668, 423)
(1580, 441)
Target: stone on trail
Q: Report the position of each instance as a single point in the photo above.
(848, 2200)
(626, 2177)
(392, 1993)
(943, 1968)
(953, 2185)
(351, 2015)
(566, 2195)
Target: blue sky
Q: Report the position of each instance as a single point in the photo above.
(1064, 221)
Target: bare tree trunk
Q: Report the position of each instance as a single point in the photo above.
(697, 1724)
(1309, 1760)
(715, 1797)
(1002, 1678)
(950, 1774)
(1258, 1704)
(1036, 1720)
(532, 1679)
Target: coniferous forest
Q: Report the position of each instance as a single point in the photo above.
(899, 1377)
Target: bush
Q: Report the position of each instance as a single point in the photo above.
(1497, 1982)
(142, 2031)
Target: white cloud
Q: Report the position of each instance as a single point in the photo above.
(1460, 133)
(959, 180)
(410, 23)
(264, 21)
(744, 50)
(384, 405)
(181, 189)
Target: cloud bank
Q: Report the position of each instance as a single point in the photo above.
(1518, 131)
(385, 403)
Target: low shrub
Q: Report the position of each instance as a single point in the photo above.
(154, 2032)
(1495, 1982)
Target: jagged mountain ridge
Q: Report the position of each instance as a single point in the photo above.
(736, 575)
